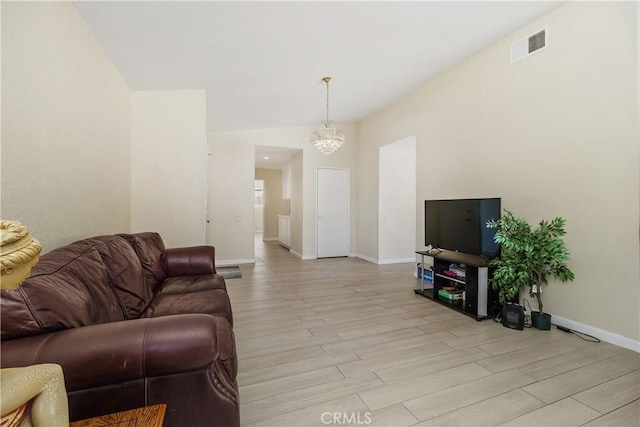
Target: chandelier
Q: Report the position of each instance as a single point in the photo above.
(327, 139)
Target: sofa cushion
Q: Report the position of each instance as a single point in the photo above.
(213, 301)
(149, 248)
(126, 273)
(68, 288)
(182, 284)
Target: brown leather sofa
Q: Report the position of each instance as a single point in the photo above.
(132, 324)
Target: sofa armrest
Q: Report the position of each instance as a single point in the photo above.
(112, 353)
(190, 261)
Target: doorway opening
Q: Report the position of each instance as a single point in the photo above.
(397, 202)
(258, 206)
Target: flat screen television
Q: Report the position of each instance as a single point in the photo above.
(460, 225)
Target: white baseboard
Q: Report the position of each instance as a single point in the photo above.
(300, 256)
(270, 239)
(384, 261)
(396, 260)
(225, 262)
(601, 334)
(367, 258)
(308, 257)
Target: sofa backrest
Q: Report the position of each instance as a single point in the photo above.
(68, 288)
(125, 271)
(149, 248)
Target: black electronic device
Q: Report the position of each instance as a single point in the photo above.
(461, 225)
(513, 316)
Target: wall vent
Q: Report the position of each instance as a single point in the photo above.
(528, 45)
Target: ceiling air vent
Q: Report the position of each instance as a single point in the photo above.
(528, 45)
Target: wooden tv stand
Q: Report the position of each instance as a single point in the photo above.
(471, 283)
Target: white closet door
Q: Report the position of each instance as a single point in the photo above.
(333, 212)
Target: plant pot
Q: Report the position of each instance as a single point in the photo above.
(541, 321)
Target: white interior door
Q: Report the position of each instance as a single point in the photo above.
(333, 212)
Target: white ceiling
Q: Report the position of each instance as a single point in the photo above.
(273, 157)
(261, 63)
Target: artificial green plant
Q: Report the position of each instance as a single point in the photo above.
(529, 257)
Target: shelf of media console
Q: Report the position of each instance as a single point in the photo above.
(456, 304)
(430, 291)
(453, 279)
(455, 257)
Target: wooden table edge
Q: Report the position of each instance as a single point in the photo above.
(155, 414)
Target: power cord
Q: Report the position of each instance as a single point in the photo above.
(527, 314)
(580, 335)
(527, 323)
(497, 316)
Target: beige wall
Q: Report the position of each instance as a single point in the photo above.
(555, 134)
(345, 157)
(274, 204)
(397, 202)
(297, 184)
(66, 119)
(230, 198)
(232, 180)
(168, 165)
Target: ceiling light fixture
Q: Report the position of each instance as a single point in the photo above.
(327, 139)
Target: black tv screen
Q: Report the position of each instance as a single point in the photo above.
(460, 225)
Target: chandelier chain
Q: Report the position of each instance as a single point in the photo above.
(327, 80)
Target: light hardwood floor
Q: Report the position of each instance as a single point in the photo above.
(349, 337)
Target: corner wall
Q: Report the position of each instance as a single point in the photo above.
(555, 134)
(297, 201)
(397, 202)
(66, 127)
(168, 164)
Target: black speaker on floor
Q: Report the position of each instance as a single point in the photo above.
(513, 316)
